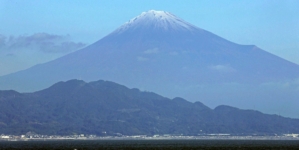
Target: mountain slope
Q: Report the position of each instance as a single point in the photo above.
(160, 52)
(107, 108)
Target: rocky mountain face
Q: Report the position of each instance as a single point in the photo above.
(157, 51)
(107, 108)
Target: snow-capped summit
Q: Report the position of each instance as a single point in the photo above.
(161, 26)
(157, 20)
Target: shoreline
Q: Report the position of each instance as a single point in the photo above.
(265, 138)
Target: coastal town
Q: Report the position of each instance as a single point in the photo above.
(29, 136)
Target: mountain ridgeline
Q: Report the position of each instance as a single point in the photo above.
(157, 51)
(107, 108)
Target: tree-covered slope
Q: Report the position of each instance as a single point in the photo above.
(107, 108)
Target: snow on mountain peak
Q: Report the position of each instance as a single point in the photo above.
(153, 19)
(153, 14)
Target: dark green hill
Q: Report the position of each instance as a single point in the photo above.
(107, 108)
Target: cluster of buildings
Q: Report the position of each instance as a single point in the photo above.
(34, 136)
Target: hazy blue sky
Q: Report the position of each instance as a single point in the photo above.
(35, 31)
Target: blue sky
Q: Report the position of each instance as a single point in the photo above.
(35, 31)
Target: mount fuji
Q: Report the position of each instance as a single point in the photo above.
(157, 51)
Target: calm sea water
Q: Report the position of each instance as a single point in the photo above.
(152, 144)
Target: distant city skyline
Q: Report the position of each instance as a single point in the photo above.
(35, 31)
